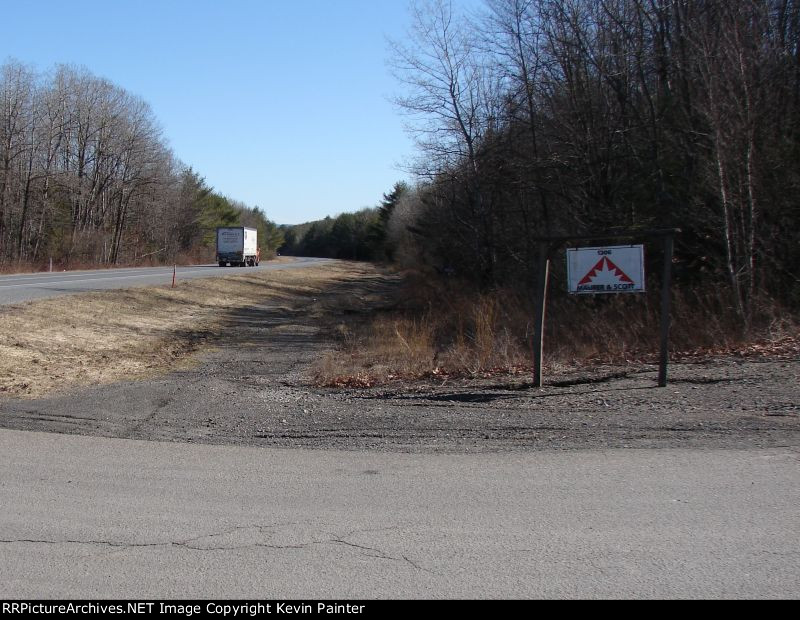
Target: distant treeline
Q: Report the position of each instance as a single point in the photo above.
(87, 178)
(554, 117)
(352, 236)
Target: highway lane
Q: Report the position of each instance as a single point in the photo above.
(26, 287)
(88, 517)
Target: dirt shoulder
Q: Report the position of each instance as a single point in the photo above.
(240, 375)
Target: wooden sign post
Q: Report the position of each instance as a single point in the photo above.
(543, 274)
(603, 270)
(666, 281)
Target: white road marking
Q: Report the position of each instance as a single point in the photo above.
(63, 282)
(27, 287)
(53, 274)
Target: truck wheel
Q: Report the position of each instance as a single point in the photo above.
(221, 264)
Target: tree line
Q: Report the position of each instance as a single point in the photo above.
(87, 178)
(537, 118)
(362, 235)
(553, 117)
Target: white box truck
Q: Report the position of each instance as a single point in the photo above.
(237, 246)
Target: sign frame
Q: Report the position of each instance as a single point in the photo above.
(548, 245)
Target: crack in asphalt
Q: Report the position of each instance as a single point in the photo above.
(382, 554)
(190, 544)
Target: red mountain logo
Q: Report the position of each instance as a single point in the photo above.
(605, 271)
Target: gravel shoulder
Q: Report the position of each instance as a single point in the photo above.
(251, 387)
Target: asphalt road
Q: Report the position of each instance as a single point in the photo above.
(91, 517)
(25, 287)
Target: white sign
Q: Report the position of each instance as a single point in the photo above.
(617, 269)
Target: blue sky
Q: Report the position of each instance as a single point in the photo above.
(280, 104)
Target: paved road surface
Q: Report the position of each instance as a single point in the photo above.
(93, 517)
(25, 287)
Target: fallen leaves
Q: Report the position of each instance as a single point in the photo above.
(783, 348)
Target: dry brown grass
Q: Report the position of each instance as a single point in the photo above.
(444, 332)
(55, 344)
(436, 331)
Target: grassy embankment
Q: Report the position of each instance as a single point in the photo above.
(55, 344)
(414, 331)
